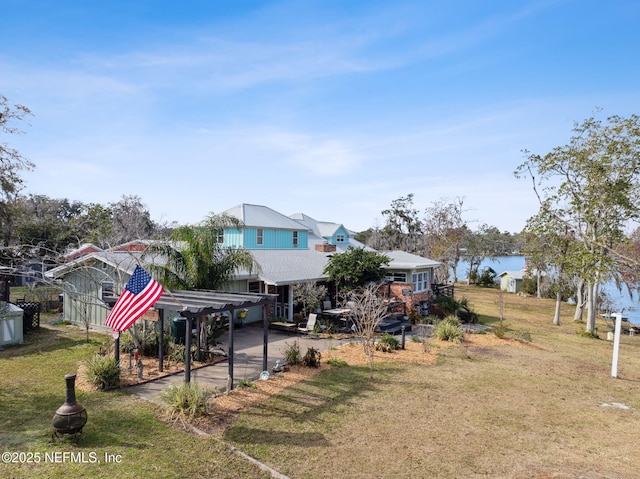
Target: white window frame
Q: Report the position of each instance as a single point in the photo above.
(420, 281)
(296, 240)
(260, 236)
(340, 238)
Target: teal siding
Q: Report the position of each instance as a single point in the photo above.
(341, 232)
(274, 239)
(233, 238)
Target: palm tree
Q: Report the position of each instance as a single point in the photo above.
(196, 259)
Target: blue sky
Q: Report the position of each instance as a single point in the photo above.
(331, 108)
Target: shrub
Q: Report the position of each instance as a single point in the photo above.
(487, 278)
(177, 353)
(449, 329)
(430, 319)
(387, 343)
(500, 329)
(292, 354)
(186, 401)
(103, 372)
(588, 334)
(523, 335)
(312, 358)
(126, 342)
(529, 286)
(325, 326)
(414, 316)
(337, 362)
(247, 383)
(416, 339)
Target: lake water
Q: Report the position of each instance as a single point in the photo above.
(629, 306)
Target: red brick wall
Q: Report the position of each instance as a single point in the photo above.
(412, 299)
(325, 247)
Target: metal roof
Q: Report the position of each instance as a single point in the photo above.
(263, 217)
(404, 260)
(290, 266)
(199, 302)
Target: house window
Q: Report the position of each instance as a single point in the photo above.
(420, 282)
(260, 237)
(339, 238)
(396, 277)
(220, 236)
(107, 290)
(254, 287)
(295, 239)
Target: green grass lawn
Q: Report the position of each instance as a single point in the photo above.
(126, 429)
(514, 410)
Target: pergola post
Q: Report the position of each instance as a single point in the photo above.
(187, 351)
(161, 345)
(265, 335)
(231, 341)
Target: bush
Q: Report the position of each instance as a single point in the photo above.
(247, 383)
(126, 342)
(387, 343)
(430, 319)
(588, 334)
(187, 401)
(292, 354)
(529, 286)
(337, 362)
(523, 335)
(449, 329)
(500, 329)
(414, 316)
(177, 353)
(103, 372)
(312, 358)
(487, 278)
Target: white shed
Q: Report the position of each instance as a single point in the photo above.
(10, 324)
(511, 281)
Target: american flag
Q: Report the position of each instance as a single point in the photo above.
(140, 293)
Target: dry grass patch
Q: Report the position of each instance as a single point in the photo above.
(485, 408)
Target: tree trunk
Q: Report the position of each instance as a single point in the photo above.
(577, 316)
(592, 295)
(538, 284)
(556, 316)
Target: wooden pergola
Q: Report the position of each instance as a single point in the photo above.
(199, 303)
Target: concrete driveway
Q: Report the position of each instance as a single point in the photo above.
(248, 355)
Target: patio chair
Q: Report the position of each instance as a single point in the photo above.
(310, 324)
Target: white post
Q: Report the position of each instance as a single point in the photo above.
(616, 344)
(290, 301)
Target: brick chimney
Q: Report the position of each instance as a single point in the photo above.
(326, 248)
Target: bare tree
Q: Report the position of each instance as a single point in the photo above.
(368, 308)
(444, 233)
(12, 163)
(403, 228)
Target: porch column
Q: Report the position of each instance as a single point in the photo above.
(290, 301)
